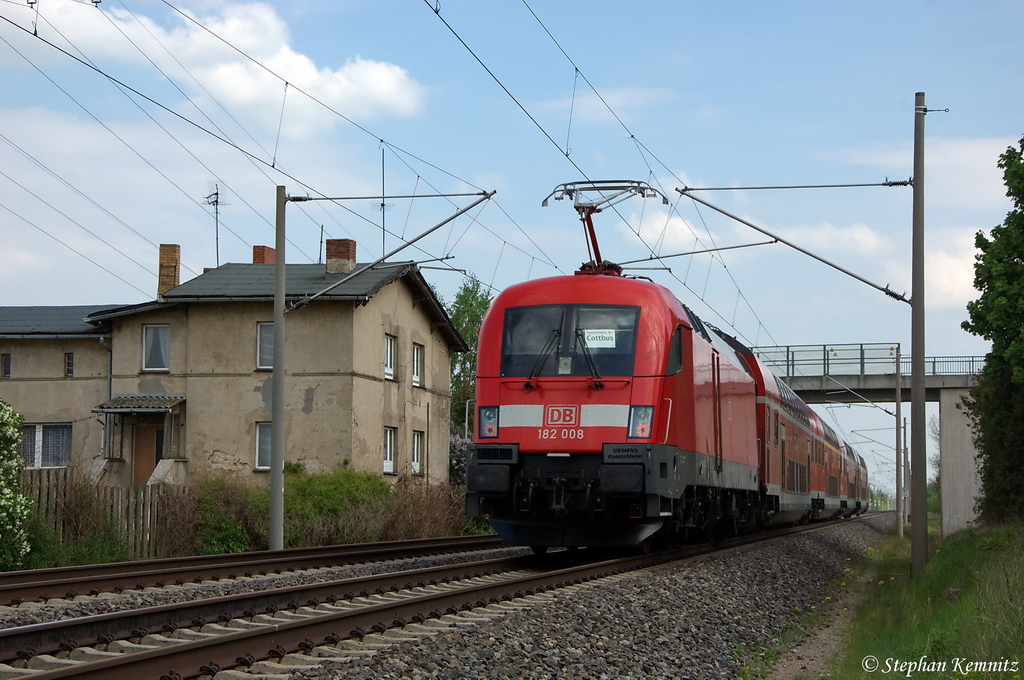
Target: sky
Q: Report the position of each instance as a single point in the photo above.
(120, 119)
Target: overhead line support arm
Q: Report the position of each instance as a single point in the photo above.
(305, 301)
(885, 289)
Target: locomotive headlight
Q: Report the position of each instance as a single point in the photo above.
(488, 420)
(640, 420)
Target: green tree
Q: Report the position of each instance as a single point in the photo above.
(14, 505)
(467, 313)
(996, 404)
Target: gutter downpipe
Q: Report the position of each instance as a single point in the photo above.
(110, 394)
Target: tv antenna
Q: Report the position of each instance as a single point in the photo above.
(214, 199)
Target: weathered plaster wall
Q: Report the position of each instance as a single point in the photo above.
(39, 391)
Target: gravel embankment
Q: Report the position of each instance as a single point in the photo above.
(676, 621)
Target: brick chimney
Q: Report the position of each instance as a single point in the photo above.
(341, 255)
(169, 272)
(263, 255)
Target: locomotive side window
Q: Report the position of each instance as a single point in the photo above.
(569, 340)
(675, 353)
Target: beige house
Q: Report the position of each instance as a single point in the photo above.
(181, 386)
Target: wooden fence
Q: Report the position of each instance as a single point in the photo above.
(133, 509)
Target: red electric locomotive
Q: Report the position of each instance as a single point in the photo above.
(607, 411)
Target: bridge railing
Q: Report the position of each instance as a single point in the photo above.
(857, 359)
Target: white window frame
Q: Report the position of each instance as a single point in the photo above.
(264, 363)
(69, 364)
(264, 445)
(417, 364)
(389, 356)
(390, 435)
(418, 440)
(165, 346)
(39, 436)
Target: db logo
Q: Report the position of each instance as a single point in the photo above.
(564, 416)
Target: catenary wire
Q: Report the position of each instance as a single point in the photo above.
(224, 139)
(77, 252)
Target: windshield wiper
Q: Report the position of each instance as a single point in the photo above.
(590, 359)
(542, 358)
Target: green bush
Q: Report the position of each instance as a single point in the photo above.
(343, 506)
(230, 516)
(14, 505)
(101, 543)
(89, 534)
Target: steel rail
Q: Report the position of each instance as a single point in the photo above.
(44, 584)
(65, 634)
(193, 658)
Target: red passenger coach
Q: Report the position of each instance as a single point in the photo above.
(607, 411)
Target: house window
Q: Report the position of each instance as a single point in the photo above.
(69, 365)
(265, 346)
(264, 435)
(389, 357)
(417, 365)
(5, 365)
(417, 452)
(389, 450)
(156, 341)
(46, 445)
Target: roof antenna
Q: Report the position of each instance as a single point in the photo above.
(214, 199)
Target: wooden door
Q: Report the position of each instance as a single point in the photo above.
(147, 452)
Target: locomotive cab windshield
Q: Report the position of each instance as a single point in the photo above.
(569, 340)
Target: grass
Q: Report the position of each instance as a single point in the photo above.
(227, 516)
(89, 536)
(343, 506)
(968, 605)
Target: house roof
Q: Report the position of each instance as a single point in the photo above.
(255, 282)
(49, 321)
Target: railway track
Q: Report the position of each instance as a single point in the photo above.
(274, 632)
(71, 582)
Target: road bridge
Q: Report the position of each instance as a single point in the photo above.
(866, 372)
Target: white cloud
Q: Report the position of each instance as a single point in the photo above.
(855, 239)
(959, 172)
(360, 89)
(949, 270)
